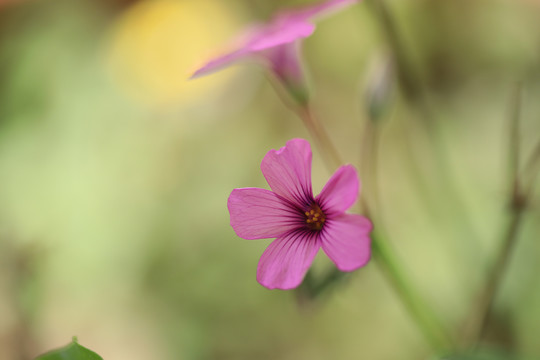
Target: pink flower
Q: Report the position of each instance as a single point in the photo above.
(300, 222)
(276, 44)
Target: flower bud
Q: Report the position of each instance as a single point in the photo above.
(380, 88)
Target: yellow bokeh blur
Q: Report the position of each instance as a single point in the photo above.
(157, 44)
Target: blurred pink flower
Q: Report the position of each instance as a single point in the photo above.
(301, 223)
(277, 44)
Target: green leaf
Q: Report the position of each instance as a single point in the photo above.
(73, 351)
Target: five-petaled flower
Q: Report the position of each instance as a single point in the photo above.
(300, 222)
(277, 45)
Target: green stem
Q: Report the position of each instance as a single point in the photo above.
(514, 148)
(532, 169)
(428, 324)
(425, 319)
(415, 93)
(369, 164)
(517, 201)
(479, 315)
(322, 140)
(411, 87)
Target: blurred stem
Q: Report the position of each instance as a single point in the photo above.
(426, 320)
(369, 163)
(414, 91)
(479, 315)
(532, 169)
(322, 140)
(411, 87)
(518, 201)
(514, 148)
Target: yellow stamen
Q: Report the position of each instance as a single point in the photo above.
(315, 217)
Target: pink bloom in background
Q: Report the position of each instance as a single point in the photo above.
(300, 222)
(276, 44)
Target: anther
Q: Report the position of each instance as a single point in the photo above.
(315, 217)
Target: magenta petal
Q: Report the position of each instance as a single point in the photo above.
(261, 214)
(286, 63)
(219, 63)
(288, 171)
(340, 192)
(286, 260)
(280, 33)
(346, 241)
(287, 27)
(257, 39)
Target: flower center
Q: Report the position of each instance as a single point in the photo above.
(315, 217)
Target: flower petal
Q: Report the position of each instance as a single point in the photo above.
(285, 28)
(288, 172)
(340, 192)
(219, 63)
(280, 33)
(260, 214)
(255, 39)
(285, 61)
(346, 241)
(287, 259)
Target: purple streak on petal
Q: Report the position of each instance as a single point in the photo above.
(340, 192)
(288, 172)
(261, 214)
(346, 241)
(287, 259)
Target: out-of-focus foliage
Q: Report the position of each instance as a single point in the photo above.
(115, 172)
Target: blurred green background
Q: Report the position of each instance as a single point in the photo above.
(115, 172)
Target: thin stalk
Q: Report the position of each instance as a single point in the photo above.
(482, 309)
(514, 142)
(369, 169)
(411, 87)
(415, 93)
(322, 140)
(518, 201)
(431, 328)
(425, 319)
(532, 170)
